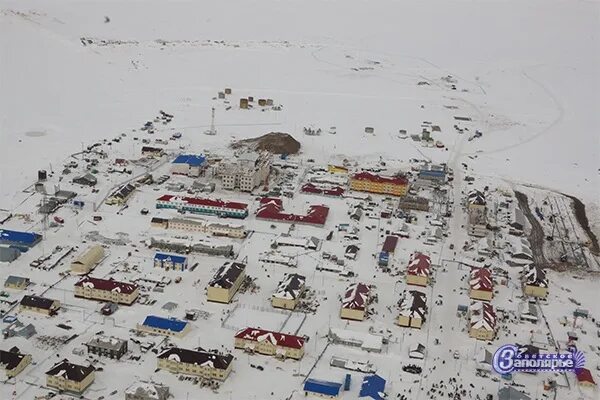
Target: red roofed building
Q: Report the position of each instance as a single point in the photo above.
(271, 209)
(107, 290)
(270, 343)
(367, 182)
(481, 284)
(389, 244)
(203, 206)
(482, 324)
(418, 270)
(335, 191)
(354, 303)
(584, 377)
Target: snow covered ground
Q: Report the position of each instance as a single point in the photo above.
(524, 72)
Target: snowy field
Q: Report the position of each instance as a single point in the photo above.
(523, 72)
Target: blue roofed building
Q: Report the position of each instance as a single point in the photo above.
(432, 175)
(373, 387)
(164, 326)
(23, 241)
(325, 389)
(188, 164)
(170, 261)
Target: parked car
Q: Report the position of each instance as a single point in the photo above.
(412, 369)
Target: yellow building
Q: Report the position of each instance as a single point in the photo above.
(535, 291)
(418, 270)
(70, 377)
(88, 260)
(355, 301)
(289, 290)
(226, 282)
(336, 169)
(482, 323)
(13, 362)
(535, 282)
(481, 284)
(280, 345)
(107, 290)
(413, 308)
(204, 364)
(40, 305)
(367, 182)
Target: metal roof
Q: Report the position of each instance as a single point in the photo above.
(190, 159)
(28, 238)
(176, 259)
(322, 387)
(171, 324)
(373, 386)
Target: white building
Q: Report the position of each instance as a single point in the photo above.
(247, 172)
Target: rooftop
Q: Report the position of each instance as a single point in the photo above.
(202, 358)
(69, 371)
(275, 338)
(169, 198)
(192, 160)
(272, 209)
(356, 296)
(367, 176)
(107, 284)
(227, 274)
(419, 264)
(290, 287)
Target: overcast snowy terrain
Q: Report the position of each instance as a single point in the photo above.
(524, 71)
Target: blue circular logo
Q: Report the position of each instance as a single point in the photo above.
(504, 359)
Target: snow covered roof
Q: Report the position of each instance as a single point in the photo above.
(419, 264)
(290, 287)
(192, 160)
(275, 338)
(272, 209)
(227, 274)
(476, 197)
(413, 304)
(364, 340)
(337, 191)
(108, 343)
(175, 258)
(202, 358)
(69, 371)
(107, 285)
(483, 316)
(11, 359)
(356, 296)
(535, 276)
(481, 279)
(196, 201)
(367, 176)
(148, 391)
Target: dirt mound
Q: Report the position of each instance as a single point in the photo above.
(582, 218)
(274, 142)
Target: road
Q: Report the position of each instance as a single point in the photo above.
(536, 236)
